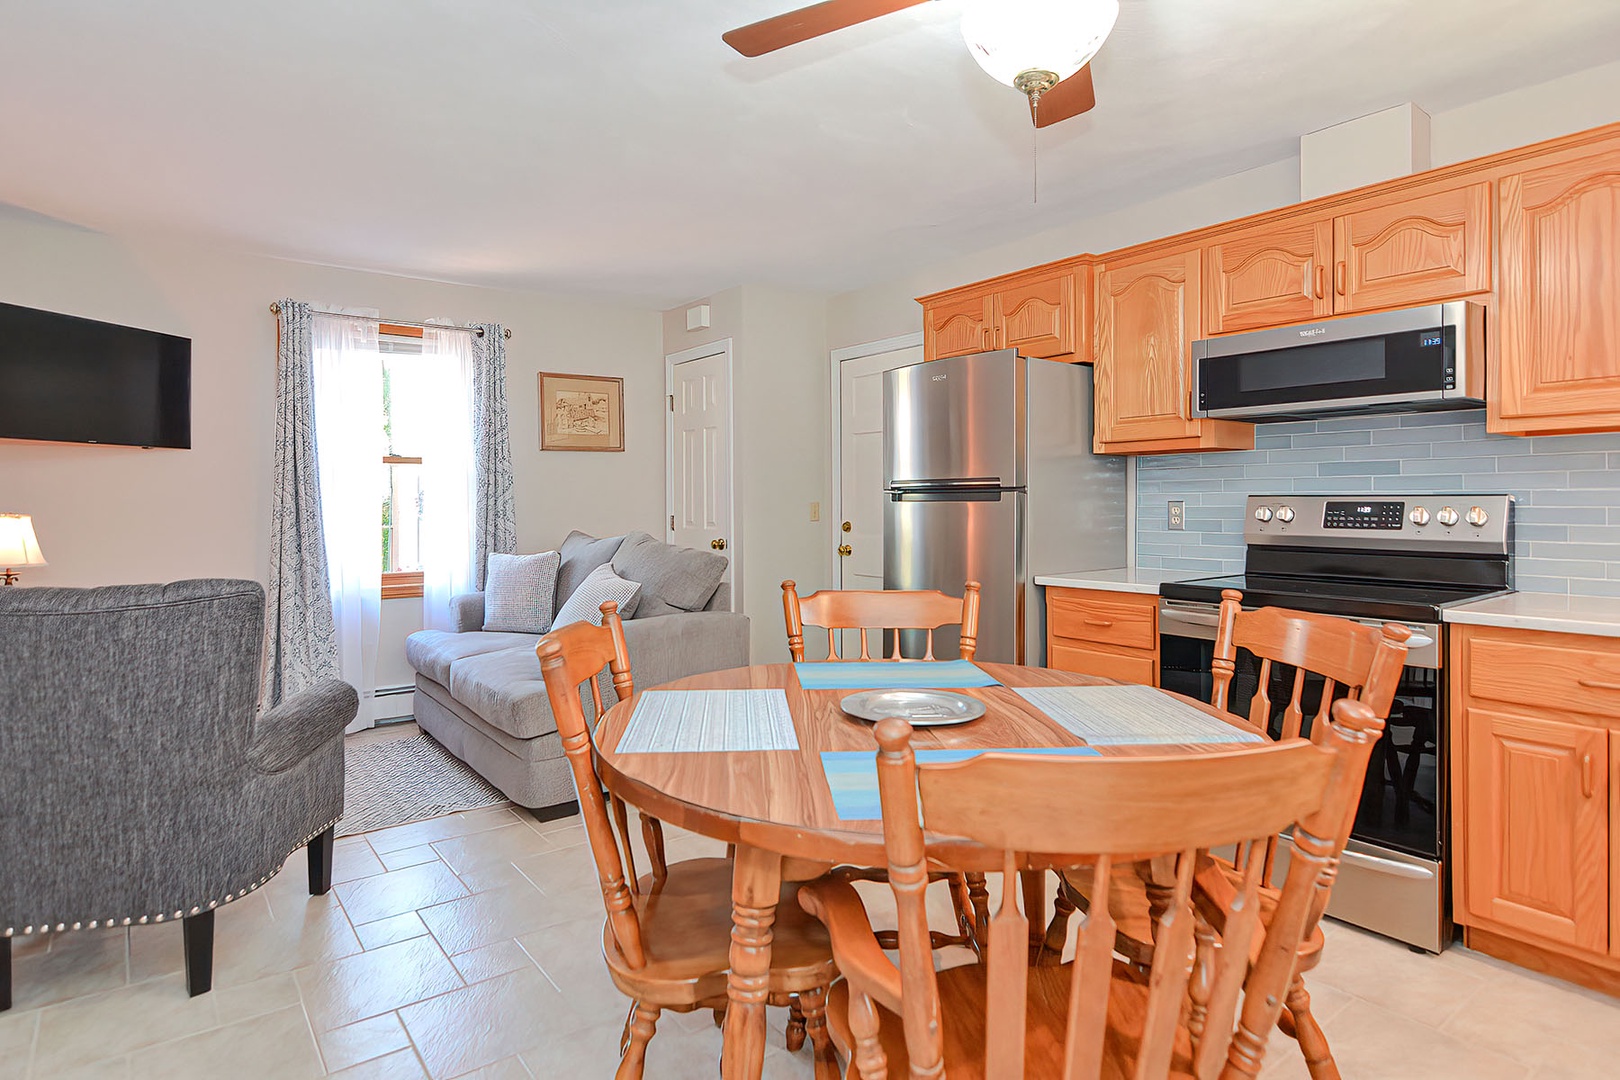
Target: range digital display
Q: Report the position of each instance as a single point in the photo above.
(1363, 515)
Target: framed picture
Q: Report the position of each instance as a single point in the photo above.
(581, 412)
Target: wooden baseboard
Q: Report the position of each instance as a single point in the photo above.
(1593, 976)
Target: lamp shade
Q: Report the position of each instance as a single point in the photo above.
(18, 545)
(1010, 37)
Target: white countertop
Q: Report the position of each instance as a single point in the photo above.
(1123, 579)
(1555, 612)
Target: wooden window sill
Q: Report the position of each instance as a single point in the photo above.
(402, 585)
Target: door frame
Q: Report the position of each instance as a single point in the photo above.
(835, 426)
(722, 347)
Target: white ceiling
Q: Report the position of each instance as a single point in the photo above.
(617, 148)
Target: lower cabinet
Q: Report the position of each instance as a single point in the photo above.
(1536, 799)
(1109, 634)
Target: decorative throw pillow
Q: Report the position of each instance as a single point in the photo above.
(582, 553)
(600, 586)
(672, 579)
(519, 592)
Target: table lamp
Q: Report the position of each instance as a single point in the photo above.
(18, 546)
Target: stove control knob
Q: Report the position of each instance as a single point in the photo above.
(1447, 516)
(1477, 516)
(1285, 514)
(1419, 516)
(1262, 513)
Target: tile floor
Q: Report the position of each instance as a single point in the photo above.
(469, 946)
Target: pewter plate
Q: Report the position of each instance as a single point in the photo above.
(919, 708)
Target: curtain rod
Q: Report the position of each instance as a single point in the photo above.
(478, 331)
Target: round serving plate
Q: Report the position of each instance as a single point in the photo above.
(919, 708)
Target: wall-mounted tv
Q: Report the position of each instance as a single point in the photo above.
(67, 379)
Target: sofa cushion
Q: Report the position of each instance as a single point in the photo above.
(506, 689)
(520, 592)
(433, 651)
(582, 553)
(601, 586)
(672, 579)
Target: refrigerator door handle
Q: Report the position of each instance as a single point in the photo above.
(946, 484)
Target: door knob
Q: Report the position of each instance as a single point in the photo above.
(846, 526)
(845, 549)
(718, 545)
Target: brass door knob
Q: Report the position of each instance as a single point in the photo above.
(845, 549)
(718, 545)
(846, 526)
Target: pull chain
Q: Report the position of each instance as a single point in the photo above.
(1035, 146)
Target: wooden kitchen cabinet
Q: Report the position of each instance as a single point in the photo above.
(1036, 312)
(1149, 312)
(1268, 274)
(1556, 364)
(1109, 634)
(1407, 250)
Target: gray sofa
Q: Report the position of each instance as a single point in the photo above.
(140, 786)
(481, 694)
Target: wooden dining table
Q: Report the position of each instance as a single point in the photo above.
(777, 806)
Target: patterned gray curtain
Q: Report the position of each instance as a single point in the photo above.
(495, 511)
(300, 643)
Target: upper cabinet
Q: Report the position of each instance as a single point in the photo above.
(1556, 363)
(1037, 313)
(1268, 274)
(1148, 316)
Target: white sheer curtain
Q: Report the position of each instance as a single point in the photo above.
(349, 434)
(433, 393)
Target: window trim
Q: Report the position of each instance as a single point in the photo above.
(401, 584)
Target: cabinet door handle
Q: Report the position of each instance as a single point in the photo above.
(1586, 775)
(1321, 281)
(1338, 277)
(1598, 684)
(984, 338)
(1098, 622)
(999, 333)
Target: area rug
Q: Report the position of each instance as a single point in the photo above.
(397, 781)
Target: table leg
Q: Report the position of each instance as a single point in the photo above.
(756, 884)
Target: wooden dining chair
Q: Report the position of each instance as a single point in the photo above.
(667, 938)
(1095, 1016)
(1366, 663)
(880, 609)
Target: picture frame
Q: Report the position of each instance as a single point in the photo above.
(581, 412)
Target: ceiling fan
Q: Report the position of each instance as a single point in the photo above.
(1040, 47)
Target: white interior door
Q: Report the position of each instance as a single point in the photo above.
(701, 504)
(859, 531)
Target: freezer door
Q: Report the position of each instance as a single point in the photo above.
(955, 419)
(940, 541)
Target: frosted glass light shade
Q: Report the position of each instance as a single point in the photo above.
(18, 546)
(1009, 37)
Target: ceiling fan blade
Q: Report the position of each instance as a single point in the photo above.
(768, 35)
(1071, 97)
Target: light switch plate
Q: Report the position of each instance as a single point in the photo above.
(815, 511)
(1178, 514)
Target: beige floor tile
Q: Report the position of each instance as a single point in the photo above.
(375, 982)
(275, 1046)
(564, 870)
(570, 954)
(591, 1051)
(363, 1041)
(17, 1030)
(400, 1065)
(115, 1069)
(235, 1003)
(31, 944)
(543, 827)
(491, 848)
(1561, 1031)
(485, 918)
(399, 891)
(257, 945)
(487, 962)
(374, 935)
(491, 877)
(1428, 989)
(400, 837)
(1370, 1041)
(77, 963)
(510, 1069)
(411, 856)
(488, 1022)
(355, 859)
(111, 1024)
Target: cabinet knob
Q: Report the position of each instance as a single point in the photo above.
(718, 545)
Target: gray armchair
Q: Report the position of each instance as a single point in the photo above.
(139, 786)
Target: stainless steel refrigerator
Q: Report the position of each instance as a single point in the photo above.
(989, 476)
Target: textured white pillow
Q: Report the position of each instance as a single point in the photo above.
(520, 592)
(600, 586)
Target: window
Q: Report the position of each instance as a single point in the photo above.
(401, 476)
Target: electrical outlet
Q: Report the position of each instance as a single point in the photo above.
(1178, 514)
(815, 511)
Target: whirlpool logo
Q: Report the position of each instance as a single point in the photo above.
(936, 378)
(1315, 331)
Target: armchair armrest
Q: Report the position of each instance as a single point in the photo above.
(855, 947)
(290, 732)
(468, 611)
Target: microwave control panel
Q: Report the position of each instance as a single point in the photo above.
(1363, 515)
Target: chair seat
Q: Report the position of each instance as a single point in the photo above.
(686, 932)
(962, 997)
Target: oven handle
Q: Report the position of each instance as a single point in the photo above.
(1374, 863)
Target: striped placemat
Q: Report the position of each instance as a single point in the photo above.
(1130, 715)
(709, 721)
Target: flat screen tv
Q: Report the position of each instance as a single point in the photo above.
(66, 379)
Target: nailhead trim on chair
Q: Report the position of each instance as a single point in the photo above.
(12, 931)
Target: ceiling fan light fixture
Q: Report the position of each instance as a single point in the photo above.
(1032, 45)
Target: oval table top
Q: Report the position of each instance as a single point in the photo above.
(779, 800)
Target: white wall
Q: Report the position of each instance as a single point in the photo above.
(780, 402)
(118, 514)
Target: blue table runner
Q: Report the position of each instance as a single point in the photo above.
(893, 675)
(852, 774)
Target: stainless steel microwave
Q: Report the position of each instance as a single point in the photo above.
(1412, 360)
